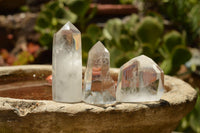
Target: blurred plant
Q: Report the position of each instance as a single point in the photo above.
(55, 14)
(23, 57)
(124, 39)
(149, 32)
(191, 123)
(183, 15)
(186, 16)
(119, 38)
(50, 19)
(82, 10)
(174, 51)
(135, 36)
(27, 56)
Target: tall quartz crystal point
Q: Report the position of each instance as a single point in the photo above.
(99, 88)
(67, 64)
(140, 80)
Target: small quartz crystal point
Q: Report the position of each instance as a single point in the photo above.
(140, 80)
(67, 64)
(99, 88)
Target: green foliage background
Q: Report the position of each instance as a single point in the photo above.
(124, 39)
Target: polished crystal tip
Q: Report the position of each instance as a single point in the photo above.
(99, 88)
(67, 64)
(140, 80)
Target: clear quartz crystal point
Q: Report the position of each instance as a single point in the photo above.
(140, 80)
(67, 64)
(99, 88)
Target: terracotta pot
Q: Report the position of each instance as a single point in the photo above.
(22, 114)
(111, 9)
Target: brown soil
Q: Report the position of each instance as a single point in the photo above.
(34, 90)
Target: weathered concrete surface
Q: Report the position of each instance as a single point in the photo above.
(45, 116)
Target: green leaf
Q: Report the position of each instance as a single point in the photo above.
(42, 22)
(162, 51)
(149, 31)
(46, 40)
(166, 66)
(79, 7)
(114, 54)
(91, 14)
(48, 13)
(126, 43)
(94, 32)
(106, 34)
(60, 13)
(54, 21)
(179, 56)
(70, 16)
(113, 29)
(131, 24)
(171, 40)
(52, 5)
(194, 17)
(86, 42)
(147, 50)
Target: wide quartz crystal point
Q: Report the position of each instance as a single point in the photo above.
(140, 80)
(67, 64)
(99, 88)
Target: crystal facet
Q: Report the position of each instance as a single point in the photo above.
(99, 88)
(140, 80)
(67, 64)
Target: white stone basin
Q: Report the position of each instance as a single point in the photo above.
(46, 116)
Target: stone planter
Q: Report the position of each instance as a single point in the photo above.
(45, 116)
